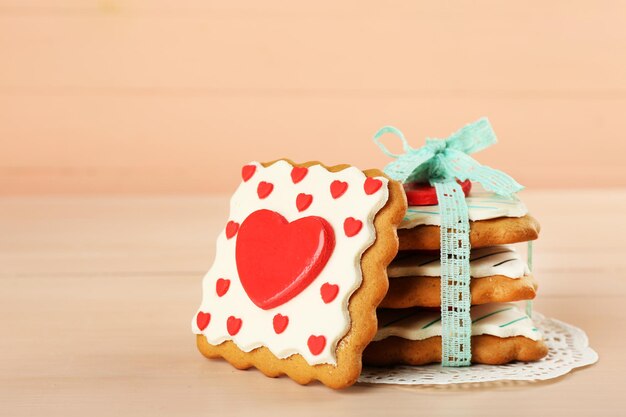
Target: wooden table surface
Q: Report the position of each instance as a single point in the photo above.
(97, 293)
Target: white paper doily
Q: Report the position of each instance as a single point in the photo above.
(568, 349)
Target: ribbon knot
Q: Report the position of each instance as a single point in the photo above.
(442, 160)
(436, 145)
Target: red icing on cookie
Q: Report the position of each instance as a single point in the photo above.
(231, 229)
(202, 320)
(221, 286)
(303, 201)
(247, 172)
(264, 189)
(424, 194)
(277, 260)
(372, 185)
(316, 344)
(280, 323)
(233, 325)
(298, 174)
(338, 188)
(329, 292)
(352, 227)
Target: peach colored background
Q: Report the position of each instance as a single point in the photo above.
(174, 96)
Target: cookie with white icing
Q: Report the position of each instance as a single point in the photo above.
(501, 333)
(499, 274)
(299, 269)
(494, 220)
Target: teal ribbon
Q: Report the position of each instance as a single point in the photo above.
(529, 261)
(456, 322)
(441, 162)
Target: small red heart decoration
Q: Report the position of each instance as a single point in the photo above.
(303, 201)
(316, 344)
(247, 172)
(352, 226)
(329, 292)
(372, 185)
(276, 260)
(202, 320)
(231, 229)
(280, 323)
(298, 174)
(338, 188)
(233, 325)
(264, 189)
(221, 286)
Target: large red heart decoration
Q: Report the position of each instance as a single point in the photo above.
(277, 260)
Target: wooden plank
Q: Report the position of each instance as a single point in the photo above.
(123, 346)
(95, 237)
(95, 306)
(164, 96)
(494, 49)
(93, 144)
(68, 238)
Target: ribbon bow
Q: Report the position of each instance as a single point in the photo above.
(442, 160)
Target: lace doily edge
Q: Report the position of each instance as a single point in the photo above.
(588, 357)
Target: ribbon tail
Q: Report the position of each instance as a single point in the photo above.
(456, 322)
(473, 137)
(529, 261)
(496, 181)
(465, 167)
(410, 165)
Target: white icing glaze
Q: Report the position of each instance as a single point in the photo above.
(484, 262)
(497, 319)
(307, 312)
(482, 205)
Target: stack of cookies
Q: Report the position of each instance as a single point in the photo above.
(409, 330)
(319, 270)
